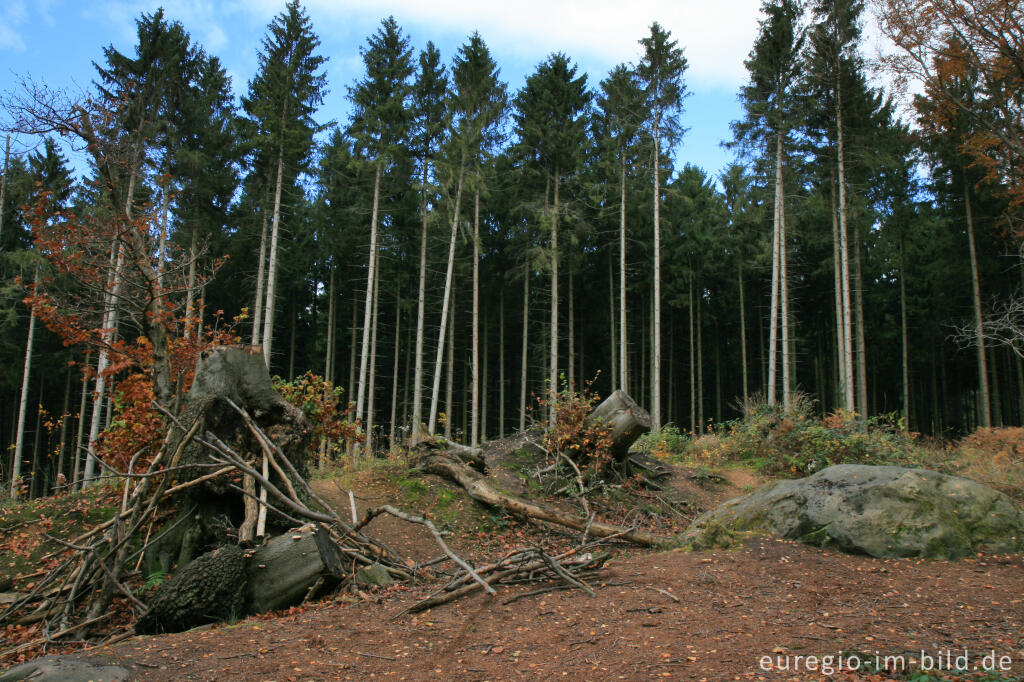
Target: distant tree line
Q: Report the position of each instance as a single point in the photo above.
(456, 250)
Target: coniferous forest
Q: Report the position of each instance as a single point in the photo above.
(456, 249)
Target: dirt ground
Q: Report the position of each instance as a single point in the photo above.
(767, 610)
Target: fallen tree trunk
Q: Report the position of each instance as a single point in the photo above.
(626, 420)
(231, 582)
(444, 464)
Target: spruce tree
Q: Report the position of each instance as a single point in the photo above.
(380, 126)
(281, 101)
(661, 71)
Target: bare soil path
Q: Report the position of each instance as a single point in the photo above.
(757, 612)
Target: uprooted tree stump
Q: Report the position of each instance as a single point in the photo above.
(231, 582)
(232, 392)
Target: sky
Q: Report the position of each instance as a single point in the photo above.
(56, 42)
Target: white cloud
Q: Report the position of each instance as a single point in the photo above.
(716, 36)
(12, 16)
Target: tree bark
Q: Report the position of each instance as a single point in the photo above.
(371, 280)
(984, 400)
(743, 332)
(394, 372)
(257, 319)
(474, 439)
(862, 350)
(524, 356)
(904, 346)
(19, 442)
(623, 345)
(443, 328)
(787, 386)
(275, 233)
(844, 256)
(773, 333)
(553, 366)
(656, 324)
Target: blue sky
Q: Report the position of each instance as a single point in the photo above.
(56, 42)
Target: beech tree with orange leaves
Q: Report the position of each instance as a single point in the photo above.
(943, 41)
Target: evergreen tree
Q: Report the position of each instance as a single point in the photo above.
(771, 115)
(380, 127)
(617, 128)
(550, 121)
(429, 97)
(661, 71)
(281, 102)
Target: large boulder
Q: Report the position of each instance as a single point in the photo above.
(883, 511)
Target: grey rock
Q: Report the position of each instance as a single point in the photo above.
(374, 575)
(882, 511)
(65, 669)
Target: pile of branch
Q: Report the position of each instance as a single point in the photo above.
(523, 566)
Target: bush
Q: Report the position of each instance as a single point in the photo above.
(670, 443)
(795, 443)
(995, 457)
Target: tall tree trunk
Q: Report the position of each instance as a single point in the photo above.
(656, 322)
(421, 297)
(190, 287)
(331, 326)
(257, 319)
(787, 384)
(997, 406)
(291, 343)
(36, 480)
(623, 346)
(79, 447)
(102, 359)
(350, 449)
(450, 378)
(612, 336)
(553, 365)
(474, 439)
(844, 256)
(19, 442)
(501, 360)
(693, 361)
(904, 346)
(837, 266)
(700, 358)
(368, 309)
(525, 356)
(862, 350)
(743, 332)
(373, 366)
(773, 334)
(394, 372)
(275, 234)
(483, 382)
(3, 183)
(443, 329)
(64, 417)
(984, 401)
(572, 332)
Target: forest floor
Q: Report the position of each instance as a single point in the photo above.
(766, 609)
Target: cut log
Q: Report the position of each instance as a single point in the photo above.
(627, 421)
(282, 571)
(208, 590)
(443, 464)
(230, 582)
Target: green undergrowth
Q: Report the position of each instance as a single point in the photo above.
(25, 525)
(797, 443)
